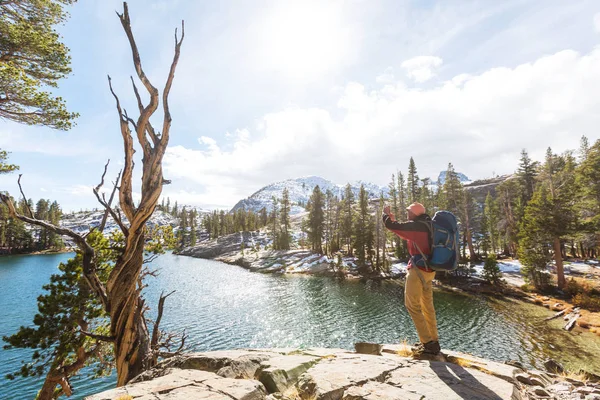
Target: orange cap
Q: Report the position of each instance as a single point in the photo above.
(416, 208)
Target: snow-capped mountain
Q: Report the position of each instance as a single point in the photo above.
(300, 190)
(442, 177)
(82, 221)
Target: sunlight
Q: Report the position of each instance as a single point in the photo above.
(303, 39)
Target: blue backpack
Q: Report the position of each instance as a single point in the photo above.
(445, 242)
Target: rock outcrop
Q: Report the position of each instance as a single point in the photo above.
(337, 374)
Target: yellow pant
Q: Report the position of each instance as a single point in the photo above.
(418, 299)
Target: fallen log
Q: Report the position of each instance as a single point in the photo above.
(571, 322)
(558, 314)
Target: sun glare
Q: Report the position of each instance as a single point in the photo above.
(303, 39)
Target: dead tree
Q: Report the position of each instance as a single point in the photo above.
(121, 295)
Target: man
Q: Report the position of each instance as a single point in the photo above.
(418, 292)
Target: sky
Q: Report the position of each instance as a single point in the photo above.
(346, 90)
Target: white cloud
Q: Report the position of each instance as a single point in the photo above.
(597, 22)
(387, 76)
(478, 122)
(422, 68)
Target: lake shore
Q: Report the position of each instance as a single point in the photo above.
(250, 251)
(39, 252)
(372, 371)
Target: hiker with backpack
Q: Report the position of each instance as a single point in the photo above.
(432, 245)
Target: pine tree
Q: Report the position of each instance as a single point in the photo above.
(274, 223)
(552, 215)
(412, 182)
(32, 59)
(313, 225)
(330, 222)
(401, 249)
(348, 218)
(526, 174)
(511, 209)
(491, 271)
(491, 221)
(588, 184)
(6, 168)
(363, 230)
(284, 221)
(182, 232)
(193, 238)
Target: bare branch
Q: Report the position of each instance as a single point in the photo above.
(89, 267)
(108, 205)
(102, 338)
(155, 330)
(125, 196)
(24, 197)
(145, 114)
(137, 95)
(151, 258)
(167, 114)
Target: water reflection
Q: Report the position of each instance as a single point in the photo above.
(225, 307)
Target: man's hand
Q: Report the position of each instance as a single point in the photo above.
(386, 210)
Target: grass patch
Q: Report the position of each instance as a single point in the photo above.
(404, 350)
(124, 397)
(578, 376)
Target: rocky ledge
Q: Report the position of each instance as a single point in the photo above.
(373, 372)
(250, 250)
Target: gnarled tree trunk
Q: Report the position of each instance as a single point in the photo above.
(133, 350)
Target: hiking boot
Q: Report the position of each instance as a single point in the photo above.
(432, 347)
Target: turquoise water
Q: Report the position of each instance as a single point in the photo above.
(223, 307)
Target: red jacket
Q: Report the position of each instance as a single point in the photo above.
(414, 232)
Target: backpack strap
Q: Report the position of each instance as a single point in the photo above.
(426, 264)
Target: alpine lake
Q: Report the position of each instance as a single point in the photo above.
(226, 307)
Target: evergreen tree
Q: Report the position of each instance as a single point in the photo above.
(491, 221)
(33, 58)
(330, 229)
(347, 218)
(511, 208)
(588, 184)
(274, 223)
(584, 148)
(363, 230)
(412, 182)
(5, 167)
(284, 221)
(182, 232)
(552, 215)
(193, 238)
(313, 226)
(491, 271)
(401, 249)
(526, 174)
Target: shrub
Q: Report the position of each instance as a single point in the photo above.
(587, 302)
(491, 271)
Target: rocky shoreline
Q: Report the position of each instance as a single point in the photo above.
(372, 372)
(250, 250)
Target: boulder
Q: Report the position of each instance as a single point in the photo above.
(500, 370)
(553, 366)
(368, 348)
(228, 364)
(280, 373)
(178, 384)
(331, 377)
